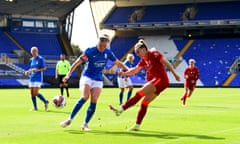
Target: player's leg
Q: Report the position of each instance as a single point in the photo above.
(95, 93)
(66, 87)
(129, 94)
(35, 90)
(191, 89)
(85, 92)
(34, 100)
(142, 111)
(152, 90)
(61, 83)
(146, 89)
(122, 87)
(130, 88)
(121, 95)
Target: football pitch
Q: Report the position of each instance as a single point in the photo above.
(212, 116)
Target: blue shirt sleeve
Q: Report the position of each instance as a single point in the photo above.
(85, 55)
(42, 65)
(111, 56)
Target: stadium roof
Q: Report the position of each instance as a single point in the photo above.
(48, 8)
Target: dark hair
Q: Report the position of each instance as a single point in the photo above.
(141, 44)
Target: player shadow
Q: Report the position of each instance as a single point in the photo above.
(54, 111)
(144, 133)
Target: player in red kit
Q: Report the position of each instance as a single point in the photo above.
(157, 80)
(191, 75)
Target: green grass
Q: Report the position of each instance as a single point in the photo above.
(212, 116)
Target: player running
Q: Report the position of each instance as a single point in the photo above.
(157, 80)
(191, 75)
(91, 82)
(35, 73)
(125, 81)
(62, 68)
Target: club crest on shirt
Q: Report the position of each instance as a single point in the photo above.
(105, 56)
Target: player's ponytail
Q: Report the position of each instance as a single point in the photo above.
(141, 44)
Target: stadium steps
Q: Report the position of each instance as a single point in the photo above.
(17, 43)
(66, 45)
(180, 54)
(230, 78)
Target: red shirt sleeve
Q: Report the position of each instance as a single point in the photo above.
(185, 73)
(157, 54)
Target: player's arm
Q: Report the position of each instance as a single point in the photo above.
(170, 67)
(120, 64)
(185, 73)
(131, 71)
(72, 68)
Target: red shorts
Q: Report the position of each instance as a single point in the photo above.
(190, 84)
(160, 84)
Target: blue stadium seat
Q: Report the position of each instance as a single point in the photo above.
(6, 45)
(166, 13)
(48, 44)
(214, 57)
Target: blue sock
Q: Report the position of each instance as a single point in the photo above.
(129, 94)
(90, 112)
(77, 107)
(34, 101)
(41, 97)
(120, 97)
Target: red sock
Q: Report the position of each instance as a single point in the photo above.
(184, 96)
(132, 101)
(142, 112)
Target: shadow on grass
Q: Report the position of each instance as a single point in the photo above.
(143, 133)
(56, 111)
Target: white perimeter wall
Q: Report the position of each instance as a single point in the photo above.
(169, 50)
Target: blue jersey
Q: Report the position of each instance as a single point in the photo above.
(95, 62)
(128, 64)
(37, 63)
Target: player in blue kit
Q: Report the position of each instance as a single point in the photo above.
(35, 73)
(125, 81)
(91, 82)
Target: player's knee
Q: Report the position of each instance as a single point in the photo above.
(140, 92)
(145, 102)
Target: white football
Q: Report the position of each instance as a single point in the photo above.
(59, 101)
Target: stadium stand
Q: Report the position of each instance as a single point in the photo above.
(214, 57)
(160, 13)
(6, 45)
(48, 44)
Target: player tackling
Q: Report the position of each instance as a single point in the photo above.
(157, 80)
(91, 81)
(191, 75)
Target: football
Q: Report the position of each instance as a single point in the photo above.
(59, 101)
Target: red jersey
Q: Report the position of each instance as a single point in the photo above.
(153, 65)
(191, 74)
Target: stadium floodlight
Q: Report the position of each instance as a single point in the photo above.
(11, 1)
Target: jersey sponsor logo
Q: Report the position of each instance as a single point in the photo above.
(105, 56)
(99, 63)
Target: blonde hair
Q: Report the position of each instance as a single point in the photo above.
(192, 60)
(130, 55)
